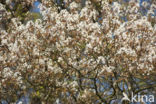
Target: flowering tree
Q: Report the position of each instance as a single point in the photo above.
(79, 54)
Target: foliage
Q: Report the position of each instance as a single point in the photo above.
(79, 56)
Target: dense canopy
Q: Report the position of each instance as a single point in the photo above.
(77, 52)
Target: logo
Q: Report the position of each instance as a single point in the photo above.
(125, 97)
(138, 98)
